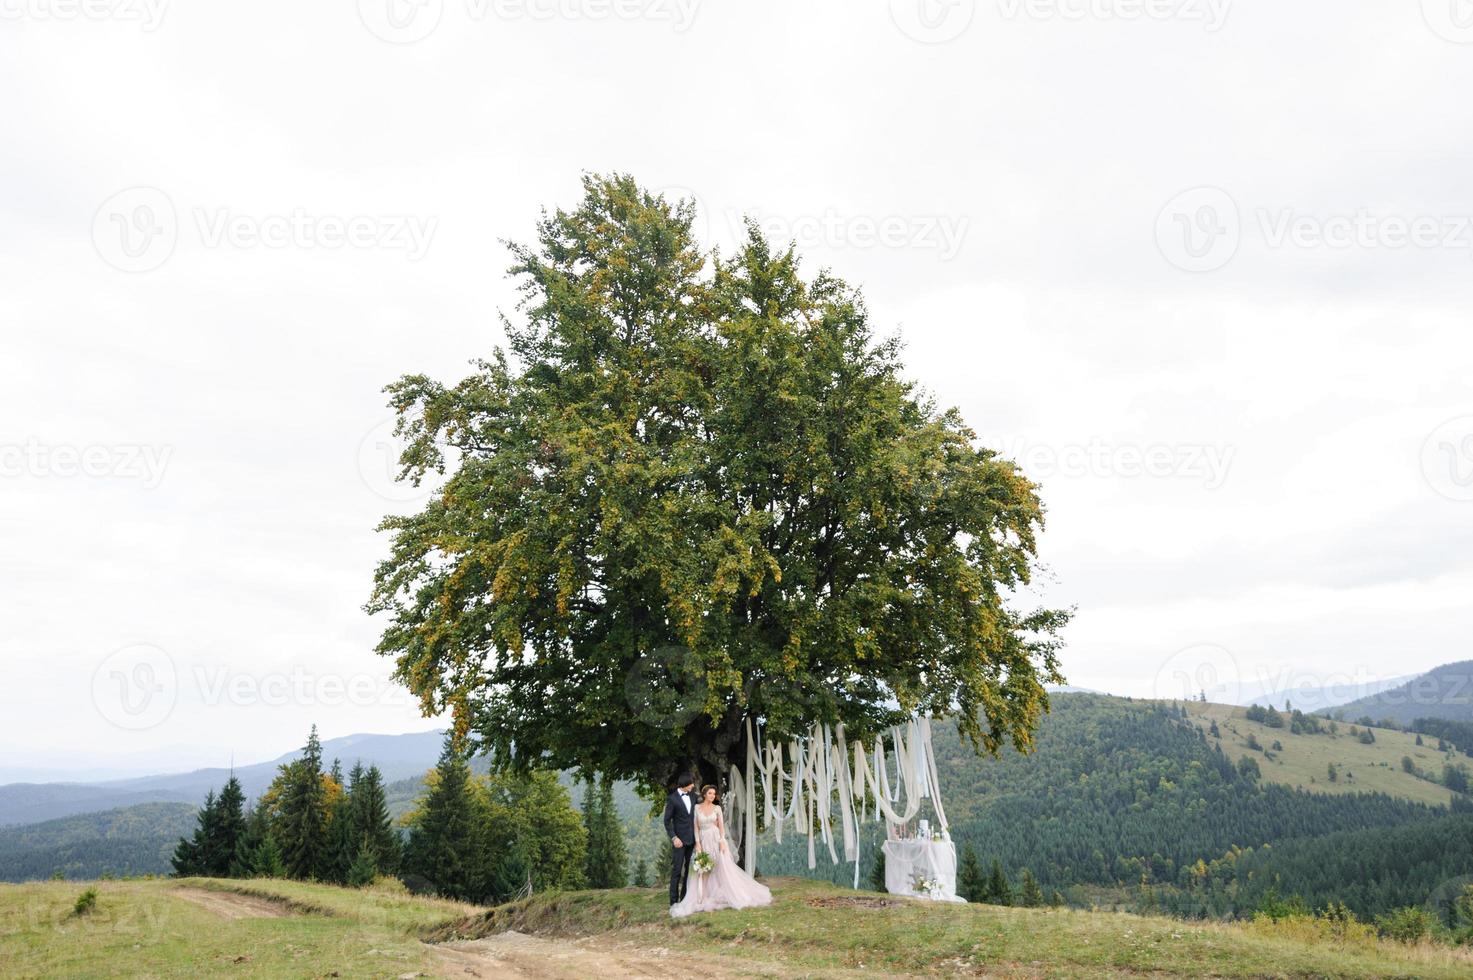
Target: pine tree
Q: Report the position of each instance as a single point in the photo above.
(267, 861)
(999, 892)
(642, 874)
(364, 868)
(343, 840)
(876, 874)
(970, 883)
(189, 855)
(251, 838)
(371, 817)
(1032, 895)
(442, 841)
(589, 812)
(607, 857)
(303, 823)
(229, 828)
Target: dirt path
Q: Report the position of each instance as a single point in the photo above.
(229, 905)
(518, 956)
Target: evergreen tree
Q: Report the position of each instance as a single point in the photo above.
(970, 882)
(876, 874)
(371, 817)
(242, 865)
(605, 867)
(442, 842)
(220, 827)
(302, 826)
(189, 855)
(267, 861)
(229, 829)
(342, 841)
(999, 892)
(1031, 896)
(364, 868)
(642, 874)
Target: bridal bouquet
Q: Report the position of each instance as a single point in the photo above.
(704, 863)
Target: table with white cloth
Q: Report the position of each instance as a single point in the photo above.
(935, 859)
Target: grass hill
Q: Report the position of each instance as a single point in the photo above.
(197, 927)
(1304, 760)
(1444, 692)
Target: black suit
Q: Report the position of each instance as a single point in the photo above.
(680, 821)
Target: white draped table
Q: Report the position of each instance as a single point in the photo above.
(935, 859)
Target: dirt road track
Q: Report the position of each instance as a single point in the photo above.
(518, 956)
(229, 905)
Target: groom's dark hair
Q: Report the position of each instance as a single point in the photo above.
(684, 779)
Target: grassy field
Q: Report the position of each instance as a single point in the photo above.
(1305, 760)
(197, 927)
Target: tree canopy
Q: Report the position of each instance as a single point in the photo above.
(695, 490)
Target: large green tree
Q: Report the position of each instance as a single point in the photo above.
(694, 491)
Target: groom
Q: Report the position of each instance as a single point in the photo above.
(680, 824)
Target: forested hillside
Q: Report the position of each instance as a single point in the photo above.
(1136, 804)
(128, 841)
(1122, 792)
(1372, 871)
(1444, 692)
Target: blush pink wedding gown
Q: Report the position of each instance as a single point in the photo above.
(726, 886)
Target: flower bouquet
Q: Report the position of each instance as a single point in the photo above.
(704, 863)
(923, 885)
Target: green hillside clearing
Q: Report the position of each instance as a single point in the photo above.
(202, 927)
(1305, 760)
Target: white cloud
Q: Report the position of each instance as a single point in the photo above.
(1043, 146)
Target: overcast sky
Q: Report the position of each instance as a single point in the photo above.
(1203, 267)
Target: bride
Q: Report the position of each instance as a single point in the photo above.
(726, 885)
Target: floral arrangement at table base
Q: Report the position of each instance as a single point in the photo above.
(929, 887)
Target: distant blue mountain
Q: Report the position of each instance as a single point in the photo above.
(398, 756)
